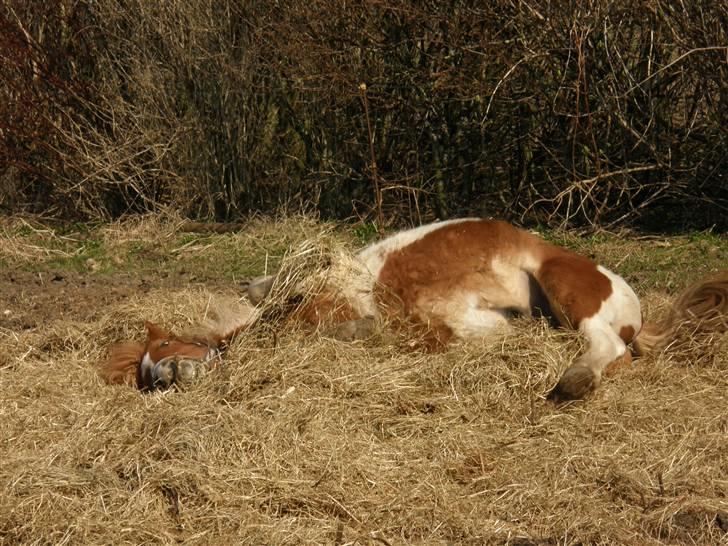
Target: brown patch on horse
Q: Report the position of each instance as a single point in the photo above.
(122, 365)
(573, 285)
(625, 361)
(162, 343)
(155, 331)
(454, 258)
(325, 309)
(627, 334)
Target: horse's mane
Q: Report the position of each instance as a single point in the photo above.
(222, 324)
(121, 367)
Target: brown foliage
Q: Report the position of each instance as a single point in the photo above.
(583, 113)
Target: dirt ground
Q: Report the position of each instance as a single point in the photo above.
(32, 299)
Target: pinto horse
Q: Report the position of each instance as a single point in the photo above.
(466, 278)
(167, 359)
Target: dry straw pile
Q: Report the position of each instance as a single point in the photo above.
(301, 439)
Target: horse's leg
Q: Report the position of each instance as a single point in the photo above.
(604, 347)
(583, 297)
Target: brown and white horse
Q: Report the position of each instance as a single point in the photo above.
(167, 359)
(455, 279)
(466, 278)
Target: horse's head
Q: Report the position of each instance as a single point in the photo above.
(171, 360)
(165, 359)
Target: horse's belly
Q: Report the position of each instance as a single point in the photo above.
(474, 305)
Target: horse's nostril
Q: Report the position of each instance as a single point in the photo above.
(165, 372)
(187, 371)
(178, 371)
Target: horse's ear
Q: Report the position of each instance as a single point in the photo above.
(156, 332)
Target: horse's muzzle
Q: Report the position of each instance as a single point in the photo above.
(179, 371)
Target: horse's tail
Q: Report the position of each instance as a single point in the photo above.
(122, 365)
(701, 309)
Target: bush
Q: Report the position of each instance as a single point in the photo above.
(594, 113)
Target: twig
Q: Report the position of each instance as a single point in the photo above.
(375, 174)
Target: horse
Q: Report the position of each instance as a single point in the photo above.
(466, 278)
(166, 359)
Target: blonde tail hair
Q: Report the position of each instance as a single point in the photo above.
(701, 309)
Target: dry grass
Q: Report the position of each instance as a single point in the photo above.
(37, 242)
(301, 439)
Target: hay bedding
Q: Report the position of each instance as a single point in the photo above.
(301, 439)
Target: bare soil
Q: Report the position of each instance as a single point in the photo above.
(30, 299)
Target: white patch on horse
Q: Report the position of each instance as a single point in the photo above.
(147, 363)
(622, 308)
(349, 277)
(513, 280)
(604, 345)
(468, 315)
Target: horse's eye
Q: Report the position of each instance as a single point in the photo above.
(164, 343)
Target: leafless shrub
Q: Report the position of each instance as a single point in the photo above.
(592, 113)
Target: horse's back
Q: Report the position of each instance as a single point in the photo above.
(470, 274)
(474, 274)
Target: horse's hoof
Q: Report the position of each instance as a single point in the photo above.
(259, 288)
(575, 384)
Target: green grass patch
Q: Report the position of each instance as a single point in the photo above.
(666, 263)
(87, 253)
(366, 233)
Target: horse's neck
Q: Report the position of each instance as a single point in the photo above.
(223, 323)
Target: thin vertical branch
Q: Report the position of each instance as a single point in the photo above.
(373, 164)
